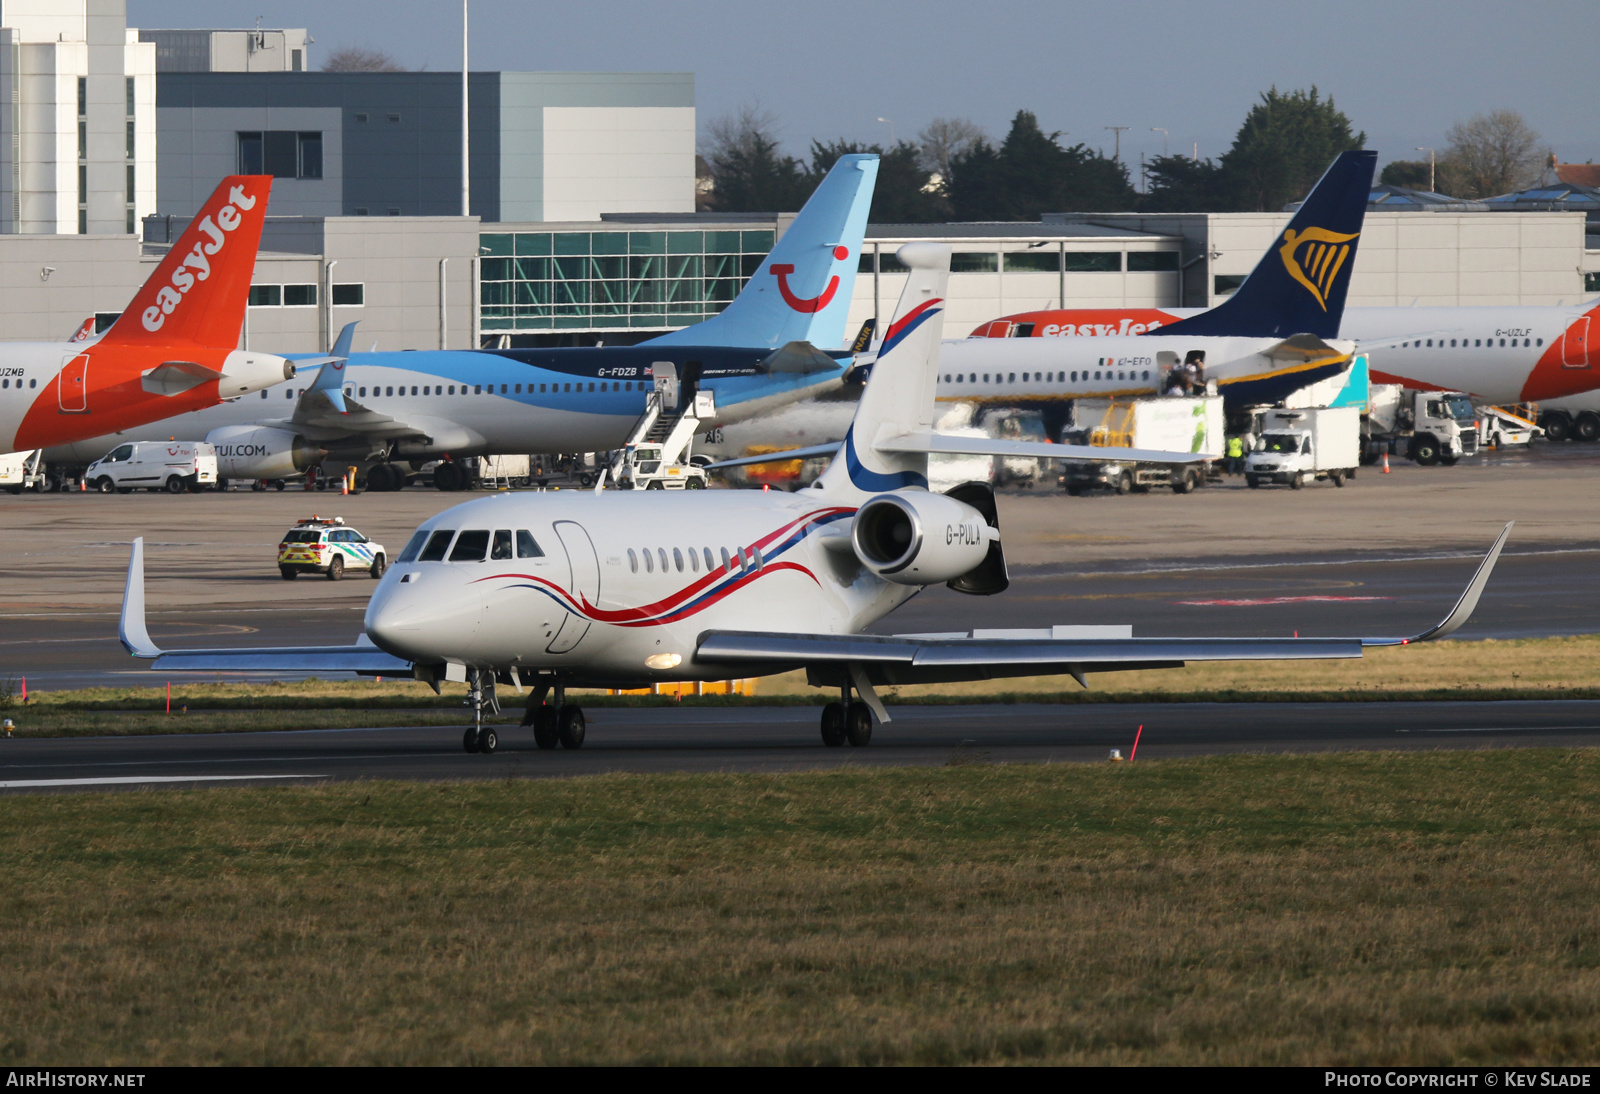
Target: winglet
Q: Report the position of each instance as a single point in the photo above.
(330, 378)
(131, 629)
(1464, 606)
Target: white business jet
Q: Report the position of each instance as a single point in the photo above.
(623, 589)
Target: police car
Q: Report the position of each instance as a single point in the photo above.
(326, 546)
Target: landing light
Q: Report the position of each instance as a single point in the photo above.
(663, 661)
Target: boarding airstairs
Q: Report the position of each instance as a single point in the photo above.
(656, 454)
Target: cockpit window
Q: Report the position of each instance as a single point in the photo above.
(434, 551)
(501, 547)
(527, 546)
(410, 553)
(471, 545)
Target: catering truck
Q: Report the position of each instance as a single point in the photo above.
(1300, 446)
(1165, 423)
(21, 471)
(1426, 426)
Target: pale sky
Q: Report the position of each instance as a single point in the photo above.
(830, 68)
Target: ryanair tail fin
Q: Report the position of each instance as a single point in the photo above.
(198, 292)
(1299, 285)
(802, 290)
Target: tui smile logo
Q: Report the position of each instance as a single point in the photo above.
(1314, 257)
(811, 305)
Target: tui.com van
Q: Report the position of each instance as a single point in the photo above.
(173, 466)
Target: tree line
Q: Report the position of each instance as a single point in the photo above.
(953, 171)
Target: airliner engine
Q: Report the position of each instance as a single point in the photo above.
(915, 538)
(262, 452)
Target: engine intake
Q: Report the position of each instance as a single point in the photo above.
(920, 539)
(262, 452)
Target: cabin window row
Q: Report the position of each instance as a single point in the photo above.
(7, 383)
(471, 545)
(488, 389)
(1468, 343)
(740, 558)
(1049, 377)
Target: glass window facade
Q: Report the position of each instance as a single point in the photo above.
(545, 281)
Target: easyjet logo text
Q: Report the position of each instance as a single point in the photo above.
(1095, 330)
(196, 265)
(1314, 258)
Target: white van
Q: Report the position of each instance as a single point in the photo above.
(173, 466)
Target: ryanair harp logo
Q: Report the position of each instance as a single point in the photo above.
(1321, 255)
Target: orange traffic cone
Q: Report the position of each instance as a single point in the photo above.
(1386, 463)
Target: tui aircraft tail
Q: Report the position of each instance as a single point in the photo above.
(198, 293)
(802, 290)
(1299, 285)
(898, 399)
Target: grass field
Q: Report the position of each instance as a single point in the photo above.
(1543, 668)
(1356, 908)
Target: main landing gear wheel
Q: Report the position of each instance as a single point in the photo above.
(570, 726)
(858, 724)
(833, 725)
(546, 734)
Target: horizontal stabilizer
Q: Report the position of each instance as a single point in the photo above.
(811, 452)
(799, 357)
(1307, 347)
(176, 377)
(938, 444)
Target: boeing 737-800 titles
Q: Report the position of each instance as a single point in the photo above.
(173, 350)
(556, 591)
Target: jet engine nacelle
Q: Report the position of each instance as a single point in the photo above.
(916, 538)
(245, 372)
(262, 452)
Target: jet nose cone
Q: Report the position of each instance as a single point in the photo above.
(421, 616)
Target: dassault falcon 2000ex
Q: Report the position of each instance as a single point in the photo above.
(1278, 333)
(779, 341)
(622, 589)
(172, 350)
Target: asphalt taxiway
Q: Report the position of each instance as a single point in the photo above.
(781, 739)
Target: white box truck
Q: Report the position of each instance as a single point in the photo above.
(173, 466)
(1301, 446)
(1165, 423)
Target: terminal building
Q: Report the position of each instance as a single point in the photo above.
(582, 225)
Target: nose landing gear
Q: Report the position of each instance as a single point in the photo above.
(481, 697)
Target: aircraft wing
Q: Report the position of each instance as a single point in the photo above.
(362, 657)
(982, 655)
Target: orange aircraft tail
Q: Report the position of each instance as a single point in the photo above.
(199, 291)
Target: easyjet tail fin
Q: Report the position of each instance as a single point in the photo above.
(198, 293)
(1299, 285)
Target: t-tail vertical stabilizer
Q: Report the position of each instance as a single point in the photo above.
(898, 399)
(1299, 285)
(802, 291)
